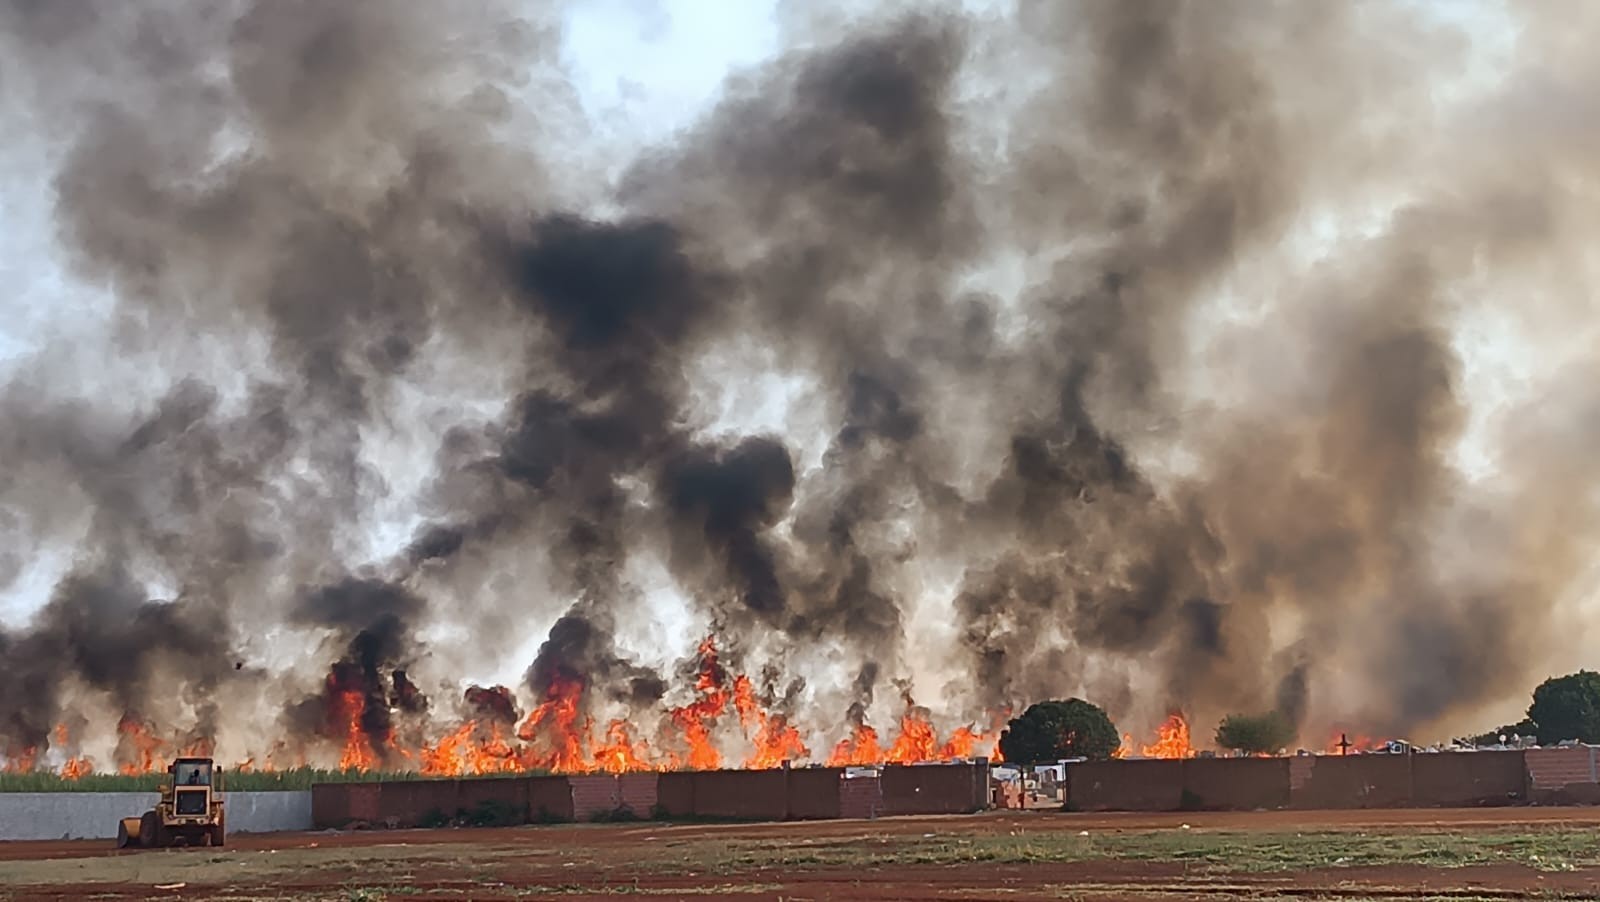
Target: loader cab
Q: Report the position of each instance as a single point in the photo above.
(191, 786)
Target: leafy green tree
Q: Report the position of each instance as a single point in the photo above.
(1255, 734)
(1052, 730)
(1567, 707)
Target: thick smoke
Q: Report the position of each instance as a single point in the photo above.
(1090, 387)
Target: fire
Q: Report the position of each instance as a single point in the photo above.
(1173, 741)
(559, 734)
(697, 718)
(916, 743)
(21, 761)
(1126, 748)
(345, 714)
(620, 753)
(473, 748)
(860, 748)
(557, 722)
(138, 750)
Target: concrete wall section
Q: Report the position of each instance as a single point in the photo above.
(94, 815)
(265, 812)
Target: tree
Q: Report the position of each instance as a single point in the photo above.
(1255, 734)
(1567, 707)
(1052, 730)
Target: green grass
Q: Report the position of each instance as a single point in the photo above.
(253, 781)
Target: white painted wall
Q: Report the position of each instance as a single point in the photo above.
(94, 815)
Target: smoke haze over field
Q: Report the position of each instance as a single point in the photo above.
(1127, 350)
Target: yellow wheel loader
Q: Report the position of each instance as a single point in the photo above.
(189, 811)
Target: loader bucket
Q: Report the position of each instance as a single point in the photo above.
(127, 832)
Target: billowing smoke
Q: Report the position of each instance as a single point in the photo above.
(1133, 351)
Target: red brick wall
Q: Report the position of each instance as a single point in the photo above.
(637, 793)
(1237, 784)
(1465, 779)
(934, 788)
(405, 803)
(512, 791)
(1563, 776)
(760, 795)
(675, 794)
(1556, 768)
(813, 792)
(1354, 781)
(336, 805)
(1125, 785)
(549, 798)
(860, 797)
(593, 795)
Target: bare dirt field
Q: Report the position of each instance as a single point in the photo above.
(1502, 853)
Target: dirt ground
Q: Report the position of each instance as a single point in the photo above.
(1348, 855)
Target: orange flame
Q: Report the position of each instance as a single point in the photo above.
(697, 718)
(620, 753)
(558, 735)
(21, 761)
(916, 743)
(558, 722)
(347, 709)
(1126, 748)
(1173, 741)
(139, 751)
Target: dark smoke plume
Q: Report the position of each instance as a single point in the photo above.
(1124, 350)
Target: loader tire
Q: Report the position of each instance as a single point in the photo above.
(123, 839)
(150, 833)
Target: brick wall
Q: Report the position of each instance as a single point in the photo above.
(1236, 784)
(1125, 785)
(1563, 776)
(1468, 779)
(934, 789)
(594, 795)
(860, 797)
(637, 793)
(814, 793)
(1354, 781)
(1558, 768)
